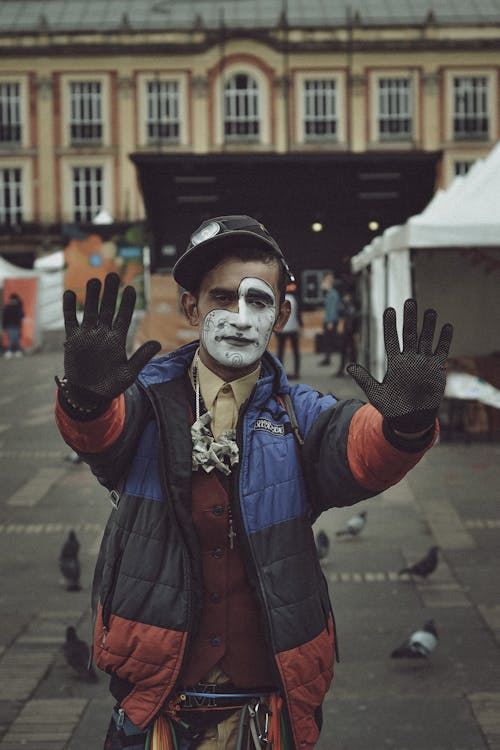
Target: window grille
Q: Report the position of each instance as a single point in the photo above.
(394, 109)
(87, 190)
(241, 109)
(462, 166)
(11, 196)
(10, 113)
(320, 109)
(470, 107)
(162, 105)
(86, 124)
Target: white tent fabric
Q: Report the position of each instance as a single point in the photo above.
(50, 270)
(466, 214)
(443, 256)
(52, 262)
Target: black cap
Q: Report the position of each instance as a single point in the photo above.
(211, 235)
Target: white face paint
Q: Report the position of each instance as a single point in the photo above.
(239, 339)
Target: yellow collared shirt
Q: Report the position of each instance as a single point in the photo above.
(223, 400)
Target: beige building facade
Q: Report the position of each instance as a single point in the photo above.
(80, 95)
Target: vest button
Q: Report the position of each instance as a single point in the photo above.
(215, 597)
(218, 552)
(216, 641)
(218, 510)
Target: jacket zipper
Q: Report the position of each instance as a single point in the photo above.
(106, 605)
(187, 571)
(248, 556)
(326, 614)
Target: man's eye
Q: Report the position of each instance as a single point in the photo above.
(222, 299)
(257, 302)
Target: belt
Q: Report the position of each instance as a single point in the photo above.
(192, 711)
(206, 697)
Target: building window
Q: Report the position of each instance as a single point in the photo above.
(241, 109)
(162, 111)
(10, 113)
(394, 109)
(86, 124)
(462, 167)
(11, 198)
(87, 191)
(470, 107)
(320, 109)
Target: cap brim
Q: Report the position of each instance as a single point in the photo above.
(191, 266)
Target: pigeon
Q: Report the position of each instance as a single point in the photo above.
(425, 566)
(322, 545)
(354, 525)
(69, 564)
(77, 655)
(419, 645)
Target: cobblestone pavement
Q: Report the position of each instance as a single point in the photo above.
(450, 701)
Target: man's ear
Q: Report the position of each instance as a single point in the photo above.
(190, 306)
(283, 315)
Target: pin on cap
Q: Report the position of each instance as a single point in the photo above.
(211, 235)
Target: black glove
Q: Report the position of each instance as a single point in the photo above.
(96, 368)
(410, 394)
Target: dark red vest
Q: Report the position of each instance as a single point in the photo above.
(230, 632)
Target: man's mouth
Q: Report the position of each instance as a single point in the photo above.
(238, 340)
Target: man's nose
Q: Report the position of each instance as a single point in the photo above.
(242, 316)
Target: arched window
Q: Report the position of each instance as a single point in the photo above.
(241, 109)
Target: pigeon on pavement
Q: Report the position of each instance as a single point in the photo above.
(354, 525)
(77, 655)
(69, 564)
(419, 645)
(322, 545)
(425, 566)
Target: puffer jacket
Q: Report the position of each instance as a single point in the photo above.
(149, 574)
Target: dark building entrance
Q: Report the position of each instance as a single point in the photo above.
(292, 194)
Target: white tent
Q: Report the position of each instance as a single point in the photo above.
(50, 270)
(447, 257)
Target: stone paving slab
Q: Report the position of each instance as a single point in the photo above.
(44, 724)
(32, 491)
(486, 707)
(21, 671)
(492, 618)
(50, 528)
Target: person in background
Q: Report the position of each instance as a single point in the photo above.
(331, 315)
(291, 331)
(12, 320)
(350, 317)
(211, 612)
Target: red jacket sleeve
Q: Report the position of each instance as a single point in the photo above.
(92, 436)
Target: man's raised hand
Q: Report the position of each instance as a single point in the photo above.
(96, 367)
(410, 394)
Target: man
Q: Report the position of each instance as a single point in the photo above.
(291, 331)
(12, 321)
(212, 615)
(331, 314)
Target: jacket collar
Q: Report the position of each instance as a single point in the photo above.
(176, 364)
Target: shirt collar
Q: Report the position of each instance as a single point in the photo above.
(210, 383)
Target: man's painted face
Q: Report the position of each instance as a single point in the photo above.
(239, 338)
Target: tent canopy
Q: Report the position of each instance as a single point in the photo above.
(448, 257)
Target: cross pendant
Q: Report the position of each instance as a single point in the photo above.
(231, 534)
